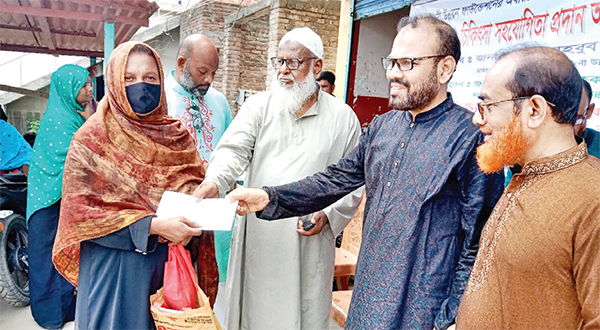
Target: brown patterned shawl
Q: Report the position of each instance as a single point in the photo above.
(117, 168)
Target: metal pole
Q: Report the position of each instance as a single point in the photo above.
(92, 63)
(349, 50)
(109, 44)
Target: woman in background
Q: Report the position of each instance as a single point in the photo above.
(109, 241)
(52, 297)
(15, 152)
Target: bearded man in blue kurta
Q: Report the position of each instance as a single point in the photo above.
(202, 109)
(205, 113)
(426, 198)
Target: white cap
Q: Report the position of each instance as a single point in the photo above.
(307, 38)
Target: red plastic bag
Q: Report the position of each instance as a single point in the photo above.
(180, 281)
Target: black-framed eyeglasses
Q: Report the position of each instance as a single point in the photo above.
(581, 120)
(292, 63)
(483, 107)
(404, 63)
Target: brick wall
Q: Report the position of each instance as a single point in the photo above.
(207, 15)
(246, 58)
(207, 18)
(246, 44)
(320, 15)
(255, 61)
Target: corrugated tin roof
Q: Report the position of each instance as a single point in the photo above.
(369, 8)
(69, 27)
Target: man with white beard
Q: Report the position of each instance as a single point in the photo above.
(279, 275)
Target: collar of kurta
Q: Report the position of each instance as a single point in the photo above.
(557, 162)
(433, 113)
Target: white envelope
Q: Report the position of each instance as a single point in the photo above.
(210, 213)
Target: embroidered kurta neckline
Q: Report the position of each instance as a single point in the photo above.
(557, 162)
(502, 213)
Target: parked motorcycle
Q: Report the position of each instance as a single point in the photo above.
(14, 240)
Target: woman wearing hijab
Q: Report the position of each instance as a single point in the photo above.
(51, 296)
(109, 243)
(15, 152)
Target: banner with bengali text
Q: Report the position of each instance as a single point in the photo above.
(484, 27)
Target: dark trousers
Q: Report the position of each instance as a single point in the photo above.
(52, 297)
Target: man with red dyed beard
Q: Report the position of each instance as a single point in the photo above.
(505, 148)
(539, 257)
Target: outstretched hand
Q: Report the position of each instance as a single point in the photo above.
(452, 327)
(206, 189)
(249, 200)
(319, 220)
(175, 229)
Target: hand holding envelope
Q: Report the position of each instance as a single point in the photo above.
(210, 213)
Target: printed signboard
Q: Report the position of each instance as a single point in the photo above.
(484, 27)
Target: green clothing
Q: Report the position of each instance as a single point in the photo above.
(222, 248)
(592, 139)
(58, 125)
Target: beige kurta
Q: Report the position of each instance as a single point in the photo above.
(278, 279)
(538, 265)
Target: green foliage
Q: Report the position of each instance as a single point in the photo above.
(33, 124)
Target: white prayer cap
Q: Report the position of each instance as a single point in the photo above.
(307, 38)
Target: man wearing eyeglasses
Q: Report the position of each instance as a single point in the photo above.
(591, 136)
(586, 109)
(539, 256)
(426, 198)
(280, 272)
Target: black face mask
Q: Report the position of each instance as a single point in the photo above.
(143, 97)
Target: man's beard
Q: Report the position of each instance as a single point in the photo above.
(292, 99)
(505, 148)
(187, 82)
(422, 95)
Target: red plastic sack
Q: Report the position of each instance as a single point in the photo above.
(180, 281)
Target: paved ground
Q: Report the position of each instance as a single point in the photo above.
(19, 318)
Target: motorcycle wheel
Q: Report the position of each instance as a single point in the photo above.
(14, 263)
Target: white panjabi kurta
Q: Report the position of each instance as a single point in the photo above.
(277, 278)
